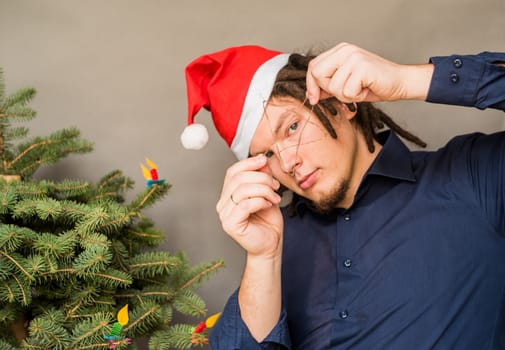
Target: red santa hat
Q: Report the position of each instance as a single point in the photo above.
(233, 85)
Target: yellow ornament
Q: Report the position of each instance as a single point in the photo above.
(122, 316)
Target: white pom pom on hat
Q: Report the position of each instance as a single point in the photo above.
(195, 136)
(232, 84)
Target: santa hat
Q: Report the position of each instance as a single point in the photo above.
(233, 85)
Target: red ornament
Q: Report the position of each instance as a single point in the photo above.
(154, 174)
(200, 328)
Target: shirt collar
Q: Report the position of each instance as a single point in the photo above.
(394, 161)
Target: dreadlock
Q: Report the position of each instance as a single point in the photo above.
(291, 82)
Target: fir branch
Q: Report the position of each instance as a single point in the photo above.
(101, 346)
(42, 143)
(113, 278)
(7, 293)
(8, 197)
(29, 169)
(198, 277)
(14, 258)
(71, 188)
(47, 330)
(143, 318)
(26, 189)
(145, 232)
(120, 255)
(12, 237)
(6, 346)
(6, 269)
(147, 198)
(73, 310)
(116, 181)
(93, 239)
(189, 303)
(25, 296)
(21, 97)
(93, 328)
(178, 336)
(16, 133)
(152, 264)
(92, 260)
(8, 314)
(27, 345)
(159, 294)
(58, 272)
(36, 264)
(53, 245)
(19, 113)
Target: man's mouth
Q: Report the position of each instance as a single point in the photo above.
(308, 180)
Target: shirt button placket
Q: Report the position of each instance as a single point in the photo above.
(344, 314)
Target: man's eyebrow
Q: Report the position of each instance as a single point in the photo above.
(281, 120)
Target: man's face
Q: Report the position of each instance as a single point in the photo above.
(304, 157)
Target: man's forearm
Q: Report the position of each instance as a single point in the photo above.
(260, 295)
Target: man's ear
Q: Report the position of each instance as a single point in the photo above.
(349, 110)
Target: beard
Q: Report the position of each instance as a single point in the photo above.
(333, 199)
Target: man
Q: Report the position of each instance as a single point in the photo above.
(383, 248)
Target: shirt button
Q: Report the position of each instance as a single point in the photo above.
(347, 263)
(457, 63)
(347, 217)
(343, 314)
(454, 77)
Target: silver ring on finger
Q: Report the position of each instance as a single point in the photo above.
(233, 200)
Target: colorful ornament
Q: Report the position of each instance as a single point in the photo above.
(114, 337)
(151, 175)
(199, 334)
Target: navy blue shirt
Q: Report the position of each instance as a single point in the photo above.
(418, 260)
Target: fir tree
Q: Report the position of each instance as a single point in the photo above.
(73, 253)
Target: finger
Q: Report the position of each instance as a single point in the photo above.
(318, 73)
(248, 164)
(248, 191)
(313, 92)
(321, 70)
(235, 218)
(355, 90)
(227, 209)
(245, 178)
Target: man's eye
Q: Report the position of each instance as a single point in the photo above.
(293, 127)
(269, 154)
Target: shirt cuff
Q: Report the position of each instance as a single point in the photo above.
(231, 332)
(467, 80)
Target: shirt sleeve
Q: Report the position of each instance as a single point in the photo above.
(231, 333)
(469, 80)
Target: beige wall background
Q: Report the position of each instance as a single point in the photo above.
(114, 69)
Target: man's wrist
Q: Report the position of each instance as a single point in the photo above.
(418, 80)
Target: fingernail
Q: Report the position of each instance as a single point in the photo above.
(260, 158)
(310, 98)
(277, 184)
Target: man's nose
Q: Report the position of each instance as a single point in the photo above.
(288, 158)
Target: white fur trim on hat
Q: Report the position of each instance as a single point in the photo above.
(194, 136)
(259, 91)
